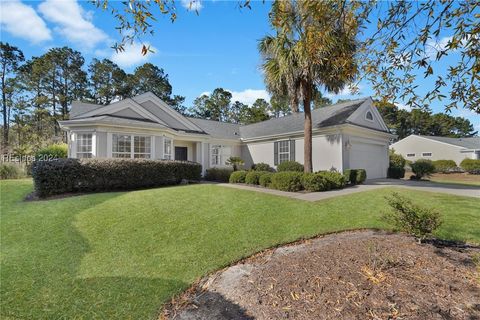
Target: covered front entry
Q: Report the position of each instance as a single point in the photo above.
(181, 153)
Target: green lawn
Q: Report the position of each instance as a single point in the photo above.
(122, 255)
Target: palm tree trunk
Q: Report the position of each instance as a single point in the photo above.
(307, 129)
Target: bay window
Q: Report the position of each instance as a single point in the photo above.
(84, 145)
(131, 146)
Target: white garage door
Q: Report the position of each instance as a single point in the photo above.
(371, 157)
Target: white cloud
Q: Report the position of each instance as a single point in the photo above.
(432, 47)
(248, 96)
(73, 22)
(132, 55)
(22, 21)
(192, 5)
(403, 106)
(345, 92)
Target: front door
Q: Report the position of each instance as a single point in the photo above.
(181, 153)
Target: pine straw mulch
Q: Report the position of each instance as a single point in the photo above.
(350, 275)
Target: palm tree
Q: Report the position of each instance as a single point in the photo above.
(314, 47)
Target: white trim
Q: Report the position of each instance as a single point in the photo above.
(371, 113)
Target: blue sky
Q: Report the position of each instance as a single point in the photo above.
(216, 48)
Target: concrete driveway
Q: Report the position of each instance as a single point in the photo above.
(455, 189)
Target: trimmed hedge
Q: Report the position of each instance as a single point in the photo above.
(315, 182)
(91, 175)
(262, 167)
(290, 166)
(218, 174)
(238, 177)
(396, 173)
(287, 181)
(471, 165)
(396, 160)
(266, 179)
(54, 151)
(253, 177)
(444, 166)
(361, 176)
(335, 180)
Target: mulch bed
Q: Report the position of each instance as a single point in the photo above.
(349, 275)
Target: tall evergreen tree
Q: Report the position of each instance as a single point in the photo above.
(10, 59)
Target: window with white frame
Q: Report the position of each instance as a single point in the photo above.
(131, 146)
(220, 154)
(141, 147)
(410, 155)
(426, 154)
(369, 116)
(84, 145)
(283, 151)
(167, 148)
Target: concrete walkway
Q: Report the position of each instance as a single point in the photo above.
(455, 189)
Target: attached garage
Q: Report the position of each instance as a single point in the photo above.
(369, 156)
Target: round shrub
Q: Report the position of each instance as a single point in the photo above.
(287, 181)
(290, 166)
(218, 174)
(471, 165)
(334, 180)
(350, 176)
(266, 179)
(396, 173)
(396, 160)
(422, 168)
(262, 167)
(238, 177)
(444, 166)
(54, 151)
(314, 182)
(361, 176)
(253, 177)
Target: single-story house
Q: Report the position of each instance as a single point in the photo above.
(416, 147)
(345, 135)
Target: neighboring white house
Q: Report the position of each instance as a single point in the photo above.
(416, 147)
(345, 135)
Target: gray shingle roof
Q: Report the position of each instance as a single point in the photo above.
(468, 143)
(217, 129)
(323, 117)
(79, 108)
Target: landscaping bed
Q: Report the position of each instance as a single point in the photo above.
(350, 275)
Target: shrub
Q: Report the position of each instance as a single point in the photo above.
(88, 175)
(396, 160)
(411, 218)
(266, 179)
(290, 166)
(422, 168)
(444, 166)
(253, 177)
(334, 180)
(287, 181)
(396, 173)
(262, 167)
(218, 174)
(361, 176)
(471, 165)
(11, 171)
(350, 176)
(235, 162)
(238, 177)
(314, 182)
(52, 152)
